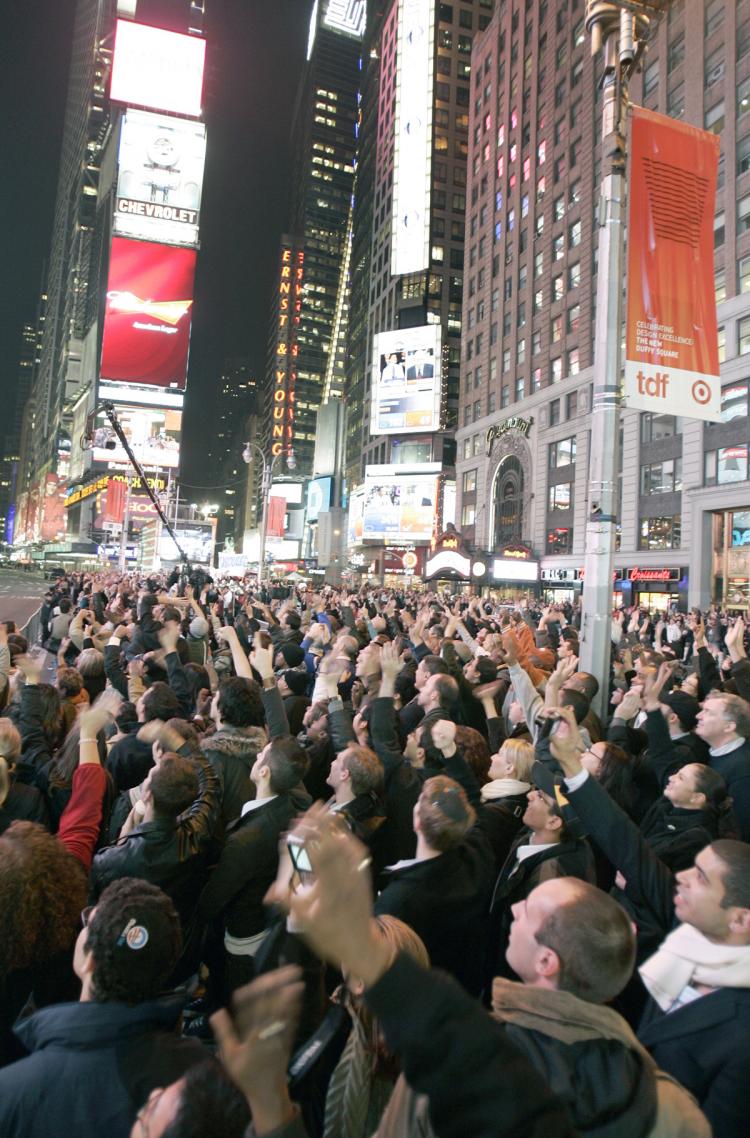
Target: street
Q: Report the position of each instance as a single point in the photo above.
(20, 595)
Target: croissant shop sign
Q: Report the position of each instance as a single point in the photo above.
(638, 574)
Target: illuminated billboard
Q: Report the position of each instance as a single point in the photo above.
(407, 378)
(318, 496)
(152, 432)
(355, 524)
(196, 539)
(160, 177)
(147, 313)
(158, 69)
(400, 502)
(412, 173)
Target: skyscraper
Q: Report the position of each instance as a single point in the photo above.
(410, 207)
(529, 311)
(121, 263)
(324, 146)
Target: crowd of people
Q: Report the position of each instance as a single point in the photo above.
(276, 862)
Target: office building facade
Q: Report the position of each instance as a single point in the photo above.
(529, 311)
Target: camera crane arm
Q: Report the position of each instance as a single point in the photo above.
(109, 410)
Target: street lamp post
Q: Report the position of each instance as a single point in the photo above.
(265, 493)
(619, 29)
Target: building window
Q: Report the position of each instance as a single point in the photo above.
(743, 274)
(554, 412)
(504, 396)
(726, 465)
(521, 352)
(651, 77)
(660, 533)
(574, 315)
(743, 336)
(714, 17)
(469, 483)
(676, 52)
(559, 496)
(720, 285)
(560, 540)
(574, 364)
(536, 342)
(574, 234)
(734, 402)
(721, 340)
(714, 118)
(467, 448)
(556, 369)
(519, 389)
(536, 379)
(743, 96)
(468, 514)
(743, 214)
(574, 275)
(676, 102)
(506, 360)
(661, 477)
(562, 453)
(655, 427)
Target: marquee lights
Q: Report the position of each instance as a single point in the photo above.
(287, 348)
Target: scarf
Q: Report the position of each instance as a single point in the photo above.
(685, 957)
(356, 1097)
(503, 788)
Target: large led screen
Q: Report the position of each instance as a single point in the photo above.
(153, 434)
(406, 381)
(412, 175)
(147, 313)
(160, 177)
(400, 502)
(196, 540)
(158, 69)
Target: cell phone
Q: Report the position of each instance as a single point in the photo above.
(300, 859)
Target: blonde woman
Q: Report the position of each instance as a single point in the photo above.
(17, 801)
(504, 796)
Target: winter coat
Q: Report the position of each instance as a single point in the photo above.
(233, 751)
(92, 1067)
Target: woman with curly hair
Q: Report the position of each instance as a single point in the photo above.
(42, 891)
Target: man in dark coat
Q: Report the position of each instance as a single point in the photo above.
(697, 1018)
(94, 1063)
(249, 861)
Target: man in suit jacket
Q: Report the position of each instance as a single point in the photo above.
(421, 368)
(697, 1019)
(249, 862)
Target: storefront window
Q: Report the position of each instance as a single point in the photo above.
(726, 465)
(660, 533)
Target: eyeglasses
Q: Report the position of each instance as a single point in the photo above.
(86, 915)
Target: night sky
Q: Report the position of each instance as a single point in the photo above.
(256, 51)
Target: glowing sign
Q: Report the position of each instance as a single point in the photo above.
(161, 162)
(348, 16)
(287, 348)
(412, 173)
(147, 313)
(407, 381)
(400, 502)
(158, 69)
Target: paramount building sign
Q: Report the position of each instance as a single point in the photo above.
(515, 423)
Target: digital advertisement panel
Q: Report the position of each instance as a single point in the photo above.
(196, 539)
(400, 502)
(156, 68)
(672, 351)
(318, 496)
(160, 177)
(147, 313)
(407, 381)
(152, 432)
(412, 174)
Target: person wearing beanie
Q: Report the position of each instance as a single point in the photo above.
(197, 640)
(293, 684)
(288, 656)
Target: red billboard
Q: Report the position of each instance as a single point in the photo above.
(672, 354)
(157, 69)
(147, 313)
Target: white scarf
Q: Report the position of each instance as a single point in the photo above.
(685, 957)
(503, 788)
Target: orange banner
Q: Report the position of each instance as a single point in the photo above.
(671, 353)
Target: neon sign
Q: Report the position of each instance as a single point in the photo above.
(287, 348)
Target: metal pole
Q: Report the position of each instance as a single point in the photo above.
(265, 493)
(615, 30)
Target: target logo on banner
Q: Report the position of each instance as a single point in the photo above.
(701, 392)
